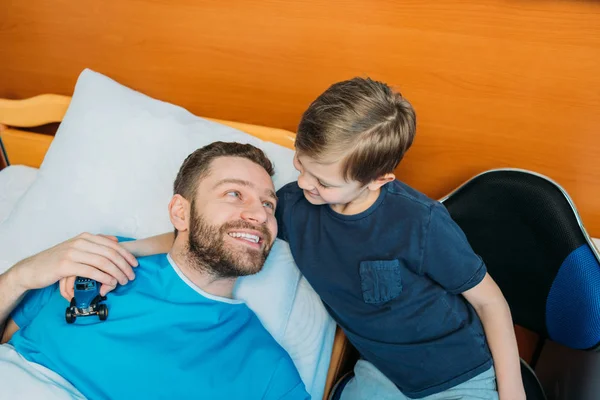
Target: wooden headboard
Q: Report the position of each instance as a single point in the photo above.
(496, 83)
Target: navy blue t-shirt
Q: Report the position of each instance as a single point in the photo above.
(391, 277)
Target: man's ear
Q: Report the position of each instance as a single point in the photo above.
(382, 180)
(179, 213)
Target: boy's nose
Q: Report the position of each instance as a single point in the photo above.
(304, 183)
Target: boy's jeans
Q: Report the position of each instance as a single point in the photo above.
(369, 384)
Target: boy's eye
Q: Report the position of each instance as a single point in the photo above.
(322, 185)
(268, 204)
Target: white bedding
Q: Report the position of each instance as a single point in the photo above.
(22, 379)
(110, 169)
(14, 181)
(307, 333)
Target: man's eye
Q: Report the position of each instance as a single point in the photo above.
(234, 193)
(268, 204)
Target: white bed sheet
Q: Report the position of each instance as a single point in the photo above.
(14, 182)
(22, 379)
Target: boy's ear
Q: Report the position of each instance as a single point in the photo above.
(382, 180)
(179, 211)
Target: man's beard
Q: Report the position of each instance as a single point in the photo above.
(208, 251)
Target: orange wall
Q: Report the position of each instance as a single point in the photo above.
(495, 83)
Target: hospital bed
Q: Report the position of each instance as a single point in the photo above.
(284, 301)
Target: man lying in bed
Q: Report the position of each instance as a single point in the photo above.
(173, 330)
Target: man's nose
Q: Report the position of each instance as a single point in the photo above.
(255, 213)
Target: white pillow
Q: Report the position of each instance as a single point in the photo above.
(110, 169)
(14, 182)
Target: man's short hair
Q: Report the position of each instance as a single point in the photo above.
(362, 122)
(197, 165)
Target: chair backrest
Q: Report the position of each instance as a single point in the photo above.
(528, 232)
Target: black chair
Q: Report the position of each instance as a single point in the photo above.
(528, 232)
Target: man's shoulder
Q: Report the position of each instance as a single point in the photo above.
(283, 380)
(259, 336)
(158, 260)
(275, 361)
(150, 265)
(153, 274)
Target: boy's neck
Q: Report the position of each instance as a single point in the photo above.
(362, 203)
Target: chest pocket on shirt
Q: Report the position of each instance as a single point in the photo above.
(380, 280)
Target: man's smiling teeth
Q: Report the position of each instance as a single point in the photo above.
(245, 236)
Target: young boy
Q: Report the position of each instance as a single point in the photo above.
(392, 268)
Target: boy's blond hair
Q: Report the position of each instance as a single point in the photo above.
(362, 122)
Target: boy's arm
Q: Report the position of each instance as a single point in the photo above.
(489, 303)
(149, 246)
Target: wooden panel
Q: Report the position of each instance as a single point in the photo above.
(29, 148)
(25, 148)
(278, 136)
(343, 358)
(34, 111)
(496, 83)
(49, 108)
(527, 341)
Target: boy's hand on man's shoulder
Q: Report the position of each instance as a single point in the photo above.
(96, 257)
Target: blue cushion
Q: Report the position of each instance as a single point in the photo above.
(573, 304)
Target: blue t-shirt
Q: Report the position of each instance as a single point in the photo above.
(164, 339)
(391, 277)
